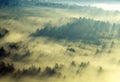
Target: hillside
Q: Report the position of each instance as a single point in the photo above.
(58, 41)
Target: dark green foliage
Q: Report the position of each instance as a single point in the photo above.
(49, 71)
(3, 52)
(9, 3)
(13, 45)
(103, 46)
(71, 49)
(84, 64)
(34, 3)
(57, 66)
(3, 32)
(6, 69)
(19, 3)
(112, 44)
(97, 51)
(86, 30)
(34, 71)
(31, 71)
(73, 63)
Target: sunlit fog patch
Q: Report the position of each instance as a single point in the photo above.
(13, 37)
(105, 6)
(56, 42)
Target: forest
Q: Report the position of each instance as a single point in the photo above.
(59, 41)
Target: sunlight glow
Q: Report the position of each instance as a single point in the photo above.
(113, 7)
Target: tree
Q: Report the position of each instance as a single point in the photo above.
(97, 51)
(112, 44)
(49, 71)
(73, 63)
(6, 68)
(100, 69)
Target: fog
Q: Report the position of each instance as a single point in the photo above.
(107, 5)
(52, 43)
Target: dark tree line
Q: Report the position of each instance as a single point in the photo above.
(9, 2)
(33, 71)
(29, 3)
(87, 30)
(6, 68)
(3, 32)
(4, 53)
